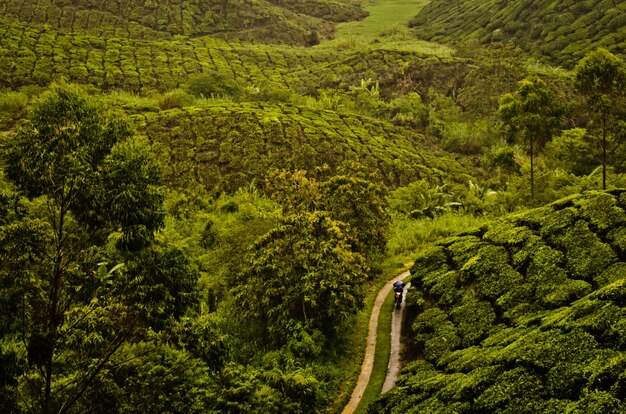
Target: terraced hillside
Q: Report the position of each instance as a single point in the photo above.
(229, 145)
(38, 54)
(561, 31)
(276, 22)
(145, 48)
(524, 315)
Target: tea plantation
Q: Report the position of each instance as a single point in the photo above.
(224, 147)
(199, 200)
(523, 315)
(562, 31)
(275, 22)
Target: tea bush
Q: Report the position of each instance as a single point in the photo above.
(524, 315)
(561, 31)
(227, 145)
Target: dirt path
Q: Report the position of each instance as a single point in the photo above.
(370, 349)
(393, 368)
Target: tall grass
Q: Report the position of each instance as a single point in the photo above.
(13, 102)
(132, 102)
(409, 235)
(542, 69)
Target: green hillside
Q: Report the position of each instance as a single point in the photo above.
(227, 146)
(265, 21)
(200, 199)
(523, 315)
(39, 54)
(559, 31)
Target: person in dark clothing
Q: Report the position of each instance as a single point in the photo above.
(398, 287)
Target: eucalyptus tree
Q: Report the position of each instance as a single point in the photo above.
(532, 114)
(80, 261)
(601, 78)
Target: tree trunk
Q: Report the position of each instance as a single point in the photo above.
(604, 151)
(53, 312)
(532, 169)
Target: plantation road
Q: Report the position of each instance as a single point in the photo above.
(393, 368)
(370, 349)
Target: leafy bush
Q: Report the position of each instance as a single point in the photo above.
(176, 98)
(469, 137)
(524, 315)
(213, 85)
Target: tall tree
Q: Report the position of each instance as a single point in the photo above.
(355, 197)
(95, 202)
(302, 273)
(601, 78)
(352, 196)
(532, 114)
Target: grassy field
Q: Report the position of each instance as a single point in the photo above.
(386, 28)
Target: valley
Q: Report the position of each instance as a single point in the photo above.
(200, 201)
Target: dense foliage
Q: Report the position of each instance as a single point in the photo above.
(73, 299)
(521, 315)
(227, 146)
(194, 228)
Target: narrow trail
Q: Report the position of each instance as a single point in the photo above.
(370, 349)
(393, 368)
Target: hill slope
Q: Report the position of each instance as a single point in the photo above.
(38, 54)
(265, 21)
(560, 30)
(524, 315)
(229, 145)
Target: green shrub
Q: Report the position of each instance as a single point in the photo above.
(435, 334)
(445, 288)
(214, 85)
(491, 272)
(562, 293)
(617, 238)
(511, 389)
(13, 102)
(565, 380)
(596, 402)
(502, 159)
(572, 151)
(421, 199)
(409, 110)
(585, 254)
(517, 302)
(463, 248)
(469, 137)
(432, 260)
(473, 319)
(176, 98)
(466, 387)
